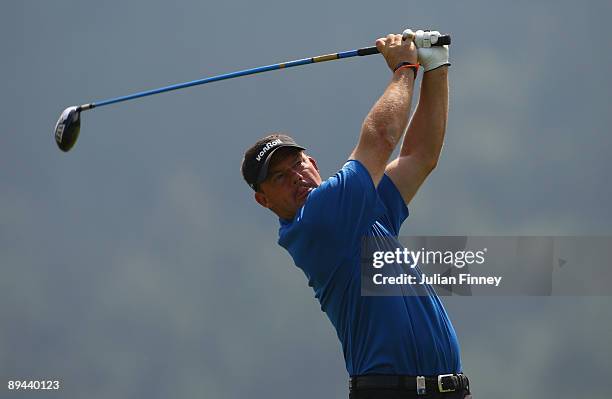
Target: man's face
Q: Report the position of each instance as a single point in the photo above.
(291, 176)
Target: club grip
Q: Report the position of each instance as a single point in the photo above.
(442, 41)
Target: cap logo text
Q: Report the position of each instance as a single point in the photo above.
(266, 148)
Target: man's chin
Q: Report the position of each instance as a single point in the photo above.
(302, 194)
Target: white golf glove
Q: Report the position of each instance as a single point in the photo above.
(429, 57)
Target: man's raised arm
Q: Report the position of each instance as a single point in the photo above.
(423, 142)
(387, 120)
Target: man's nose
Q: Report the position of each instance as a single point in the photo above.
(295, 176)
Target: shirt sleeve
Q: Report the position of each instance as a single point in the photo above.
(396, 210)
(342, 208)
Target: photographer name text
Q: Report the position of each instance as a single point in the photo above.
(436, 279)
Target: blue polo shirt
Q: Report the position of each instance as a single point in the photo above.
(408, 335)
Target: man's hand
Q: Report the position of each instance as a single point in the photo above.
(395, 50)
(430, 57)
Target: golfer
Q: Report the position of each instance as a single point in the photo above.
(394, 346)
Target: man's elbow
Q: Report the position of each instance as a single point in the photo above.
(381, 136)
(429, 163)
(419, 165)
(430, 157)
(433, 162)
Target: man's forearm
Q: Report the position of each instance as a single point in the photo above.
(427, 127)
(389, 116)
(386, 122)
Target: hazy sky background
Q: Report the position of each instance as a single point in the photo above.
(138, 265)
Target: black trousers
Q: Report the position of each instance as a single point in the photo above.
(376, 393)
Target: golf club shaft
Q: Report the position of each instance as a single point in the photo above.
(304, 61)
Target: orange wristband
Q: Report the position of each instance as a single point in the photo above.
(414, 67)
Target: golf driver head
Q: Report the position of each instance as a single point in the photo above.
(67, 128)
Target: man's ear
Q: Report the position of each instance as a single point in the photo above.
(261, 199)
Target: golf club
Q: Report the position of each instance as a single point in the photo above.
(68, 125)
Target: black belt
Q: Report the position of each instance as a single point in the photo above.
(419, 384)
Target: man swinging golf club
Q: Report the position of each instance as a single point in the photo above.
(394, 346)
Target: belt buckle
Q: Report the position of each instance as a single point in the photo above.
(441, 383)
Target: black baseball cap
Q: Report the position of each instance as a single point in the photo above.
(257, 158)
